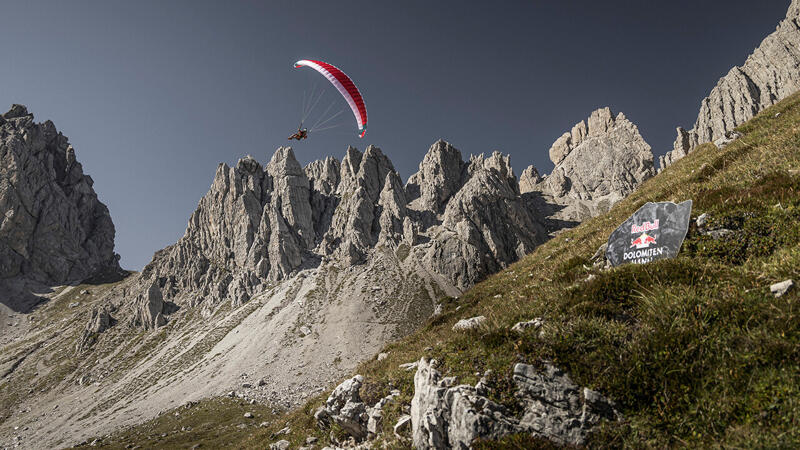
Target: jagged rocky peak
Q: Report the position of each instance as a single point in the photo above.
(473, 213)
(439, 176)
(392, 204)
(600, 121)
(291, 194)
(496, 161)
(323, 178)
(258, 225)
(768, 75)
(355, 227)
(323, 175)
(53, 228)
(600, 161)
(529, 179)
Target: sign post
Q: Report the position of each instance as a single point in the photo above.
(654, 231)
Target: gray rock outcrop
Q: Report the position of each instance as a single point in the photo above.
(597, 163)
(473, 323)
(99, 321)
(479, 228)
(149, 308)
(53, 228)
(345, 408)
(445, 415)
(768, 75)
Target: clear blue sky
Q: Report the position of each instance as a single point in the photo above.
(153, 95)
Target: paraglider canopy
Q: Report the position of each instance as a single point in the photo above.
(345, 86)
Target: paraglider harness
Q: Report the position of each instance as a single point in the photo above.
(301, 134)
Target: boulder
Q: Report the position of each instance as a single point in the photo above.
(149, 308)
(345, 408)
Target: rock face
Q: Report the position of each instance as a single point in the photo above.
(260, 225)
(478, 229)
(770, 74)
(53, 229)
(553, 407)
(597, 163)
(99, 321)
(149, 308)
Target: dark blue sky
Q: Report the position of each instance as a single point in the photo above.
(153, 96)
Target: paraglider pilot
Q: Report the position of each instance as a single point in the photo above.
(302, 133)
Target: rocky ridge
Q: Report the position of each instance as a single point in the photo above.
(260, 225)
(768, 75)
(53, 228)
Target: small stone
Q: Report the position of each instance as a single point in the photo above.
(305, 331)
(781, 288)
(719, 234)
(246, 385)
(248, 415)
(73, 305)
(283, 444)
(409, 366)
(522, 327)
(262, 382)
(470, 324)
(599, 255)
(310, 440)
(382, 356)
(701, 221)
(85, 292)
(402, 428)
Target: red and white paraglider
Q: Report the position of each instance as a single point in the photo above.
(346, 88)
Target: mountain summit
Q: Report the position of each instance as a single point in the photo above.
(768, 75)
(53, 228)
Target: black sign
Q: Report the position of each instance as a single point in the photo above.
(653, 232)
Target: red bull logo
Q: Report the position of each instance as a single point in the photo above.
(644, 240)
(645, 227)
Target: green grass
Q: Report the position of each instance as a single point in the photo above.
(695, 350)
(216, 423)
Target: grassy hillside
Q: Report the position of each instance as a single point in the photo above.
(695, 350)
